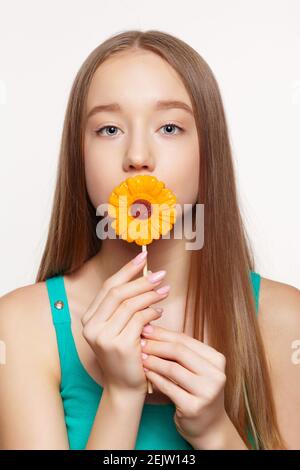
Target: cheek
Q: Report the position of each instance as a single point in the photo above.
(190, 181)
(187, 176)
(98, 175)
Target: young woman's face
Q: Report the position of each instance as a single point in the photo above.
(136, 138)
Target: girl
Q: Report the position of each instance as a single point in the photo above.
(219, 357)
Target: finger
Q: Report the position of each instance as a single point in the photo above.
(125, 274)
(186, 379)
(183, 355)
(180, 397)
(114, 318)
(132, 331)
(207, 352)
(118, 295)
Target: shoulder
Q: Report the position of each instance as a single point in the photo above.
(26, 326)
(279, 317)
(29, 384)
(279, 306)
(279, 322)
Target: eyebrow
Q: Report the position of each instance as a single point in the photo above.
(159, 105)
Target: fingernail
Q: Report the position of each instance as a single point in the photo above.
(144, 355)
(159, 309)
(148, 329)
(163, 290)
(155, 277)
(140, 257)
(143, 342)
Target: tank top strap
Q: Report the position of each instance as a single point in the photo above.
(58, 300)
(255, 279)
(62, 322)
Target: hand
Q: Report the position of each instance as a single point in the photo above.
(113, 323)
(191, 374)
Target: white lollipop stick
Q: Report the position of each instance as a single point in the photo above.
(145, 271)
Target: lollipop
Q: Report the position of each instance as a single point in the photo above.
(143, 209)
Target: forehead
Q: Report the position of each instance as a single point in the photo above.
(139, 79)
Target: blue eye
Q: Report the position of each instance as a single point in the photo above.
(98, 132)
(168, 125)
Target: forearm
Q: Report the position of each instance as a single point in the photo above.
(222, 437)
(116, 422)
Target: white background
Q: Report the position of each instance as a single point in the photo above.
(253, 48)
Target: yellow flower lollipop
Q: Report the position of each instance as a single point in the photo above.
(143, 209)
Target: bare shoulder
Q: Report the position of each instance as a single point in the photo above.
(279, 321)
(25, 313)
(279, 306)
(29, 391)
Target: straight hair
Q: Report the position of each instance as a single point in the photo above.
(219, 288)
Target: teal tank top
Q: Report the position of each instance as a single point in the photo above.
(81, 394)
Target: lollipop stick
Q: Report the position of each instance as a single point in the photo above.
(145, 271)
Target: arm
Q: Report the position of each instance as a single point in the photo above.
(223, 436)
(279, 319)
(117, 421)
(31, 411)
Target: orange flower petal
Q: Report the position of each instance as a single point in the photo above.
(150, 189)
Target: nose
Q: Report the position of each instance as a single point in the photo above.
(138, 160)
(137, 166)
(137, 163)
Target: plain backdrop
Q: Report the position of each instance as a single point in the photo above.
(253, 48)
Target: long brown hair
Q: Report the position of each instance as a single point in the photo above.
(219, 286)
